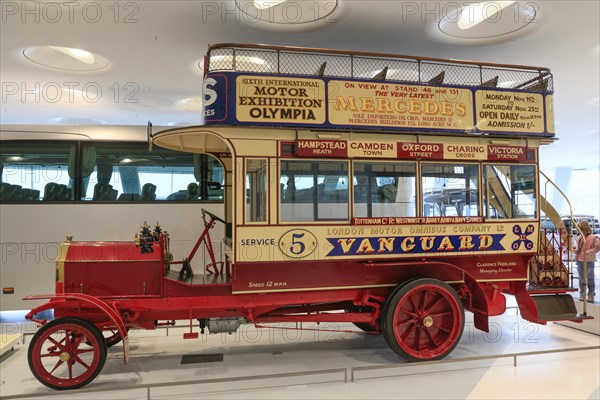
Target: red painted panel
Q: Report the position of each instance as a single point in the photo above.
(113, 278)
(112, 269)
(279, 276)
(109, 251)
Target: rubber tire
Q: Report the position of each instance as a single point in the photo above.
(408, 289)
(91, 328)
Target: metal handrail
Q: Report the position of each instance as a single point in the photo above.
(416, 63)
(573, 224)
(336, 52)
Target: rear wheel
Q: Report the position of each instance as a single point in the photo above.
(67, 353)
(423, 320)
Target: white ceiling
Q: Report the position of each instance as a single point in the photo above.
(154, 48)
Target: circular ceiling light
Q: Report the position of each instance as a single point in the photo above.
(487, 20)
(288, 13)
(65, 58)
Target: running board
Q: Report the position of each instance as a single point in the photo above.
(557, 307)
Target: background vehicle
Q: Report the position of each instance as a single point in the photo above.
(91, 184)
(352, 193)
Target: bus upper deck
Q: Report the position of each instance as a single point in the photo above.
(331, 89)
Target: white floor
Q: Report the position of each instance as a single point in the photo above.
(155, 359)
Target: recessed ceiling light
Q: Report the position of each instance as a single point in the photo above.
(65, 58)
(287, 13)
(486, 21)
(264, 4)
(16, 158)
(78, 54)
(475, 13)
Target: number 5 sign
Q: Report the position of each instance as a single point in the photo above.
(297, 243)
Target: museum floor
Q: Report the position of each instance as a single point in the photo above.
(320, 365)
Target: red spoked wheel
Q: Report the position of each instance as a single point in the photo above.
(423, 320)
(67, 353)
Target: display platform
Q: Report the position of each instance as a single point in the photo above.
(274, 363)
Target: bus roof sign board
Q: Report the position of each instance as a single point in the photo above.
(262, 100)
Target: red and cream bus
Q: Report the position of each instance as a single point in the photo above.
(388, 191)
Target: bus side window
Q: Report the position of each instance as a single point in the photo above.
(314, 191)
(256, 190)
(383, 189)
(510, 191)
(33, 171)
(450, 189)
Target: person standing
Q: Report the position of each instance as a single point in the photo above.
(587, 246)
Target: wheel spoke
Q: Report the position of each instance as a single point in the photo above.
(58, 364)
(77, 340)
(441, 328)
(441, 314)
(408, 331)
(78, 351)
(427, 310)
(57, 344)
(423, 301)
(51, 354)
(417, 345)
(80, 361)
(415, 311)
(70, 367)
(431, 338)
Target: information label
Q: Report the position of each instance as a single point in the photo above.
(509, 111)
(270, 99)
(396, 105)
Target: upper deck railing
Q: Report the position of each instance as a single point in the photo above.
(284, 60)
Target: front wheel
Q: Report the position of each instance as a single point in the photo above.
(67, 353)
(423, 320)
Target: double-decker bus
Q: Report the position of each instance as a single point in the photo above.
(388, 191)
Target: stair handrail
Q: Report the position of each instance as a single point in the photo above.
(576, 226)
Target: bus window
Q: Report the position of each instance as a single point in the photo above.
(130, 172)
(314, 191)
(384, 189)
(510, 191)
(450, 189)
(37, 171)
(256, 190)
